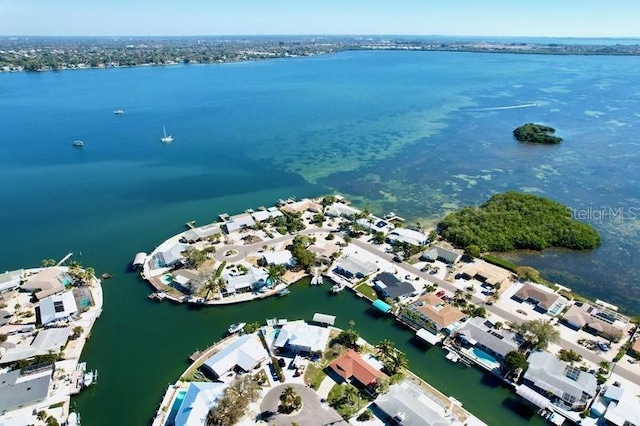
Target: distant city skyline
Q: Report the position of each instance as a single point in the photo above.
(508, 18)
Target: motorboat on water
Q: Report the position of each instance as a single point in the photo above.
(283, 292)
(236, 327)
(166, 138)
(73, 419)
(337, 288)
(78, 143)
(118, 112)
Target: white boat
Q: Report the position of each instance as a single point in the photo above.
(337, 288)
(316, 280)
(234, 328)
(283, 292)
(78, 143)
(118, 112)
(88, 379)
(166, 138)
(73, 419)
(452, 356)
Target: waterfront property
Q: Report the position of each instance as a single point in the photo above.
(354, 267)
(442, 254)
(568, 386)
(300, 337)
(57, 307)
(242, 354)
(353, 368)
(389, 286)
(432, 313)
(486, 344)
(202, 232)
(46, 341)
(407, 403)
(408, 236)
(47, 281)
(10, 280)
(195, 403)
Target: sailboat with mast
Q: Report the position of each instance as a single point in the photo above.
(166, 138)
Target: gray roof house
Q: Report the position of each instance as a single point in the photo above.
(17, 390)
(571, 387)
(390, 286)
(353, 267)
(57, 307)
(244, 353)
(10, 279)
(202, 232)
(478, 332)
(407, 404)
(442, 254)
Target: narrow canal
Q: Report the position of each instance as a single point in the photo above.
(148, 355)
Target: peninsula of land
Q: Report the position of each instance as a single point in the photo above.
(536, 133)
(46, 316)
(484, 315)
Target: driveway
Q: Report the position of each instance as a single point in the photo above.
(313, 411)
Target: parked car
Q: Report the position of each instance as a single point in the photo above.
(440, 293)
(602, 346)
(397, 259)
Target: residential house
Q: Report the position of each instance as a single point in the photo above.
(243, 354)
(300, 337)
(282, 257)
(47, 282)
(597, 320)
(566, 385)
(199, 399)
(19, 389)
(183, 280)
(264, 215)
(351, 267)
(442, 254)
(481, 333)
(432, 313)
(488, 274)
(623, 407)
(543, 300)
(169, 257)
(389, 286)
(302, 206)
(356, 370)
(57, 307)
(202, 232)
(409, 236)
(10, 280)
(374, 224)
(408, 404)
(341, 210)
(253, 279)
(239, 222)
(47, 340)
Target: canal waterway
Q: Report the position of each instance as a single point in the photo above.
(135, 369)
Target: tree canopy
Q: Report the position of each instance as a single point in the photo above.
(536, 133)
(537, 333)
(513, 220)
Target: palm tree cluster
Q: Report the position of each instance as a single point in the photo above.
(394, 361)
(290, 401)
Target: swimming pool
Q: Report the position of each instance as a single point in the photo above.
(175, 407)
(167, 279)
(483, 356)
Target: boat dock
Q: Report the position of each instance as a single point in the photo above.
(191, 224)
(64, 259)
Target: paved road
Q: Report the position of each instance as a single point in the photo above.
(566, 344)
(313, 411)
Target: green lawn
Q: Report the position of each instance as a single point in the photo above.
(335, 400)
(314, 375)
(367, 291)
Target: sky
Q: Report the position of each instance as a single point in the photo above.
(539, 18)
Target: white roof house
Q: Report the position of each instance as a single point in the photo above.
(441, 253)
(339, 209)
(569, 384)
(409, 236)
(298, 336)
(198, 400)
(243, 283)
(375, 224)
(238, 222)
(246, 352)
(355, 267)
(202, 232)
(263, 215)
(623, 407)
(57, 307)
(172, 255)
(409, 405)
(10, 279)
(50, 339)
(282, 257)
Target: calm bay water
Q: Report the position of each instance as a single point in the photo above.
(417, 133)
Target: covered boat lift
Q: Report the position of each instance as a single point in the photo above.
(324, 319)
(382, 306)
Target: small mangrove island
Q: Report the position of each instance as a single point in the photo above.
(513, 220)
(536, 133)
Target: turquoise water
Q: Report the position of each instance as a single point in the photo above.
(484, 356)
(412, 132)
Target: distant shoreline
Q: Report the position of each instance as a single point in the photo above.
(20, 54)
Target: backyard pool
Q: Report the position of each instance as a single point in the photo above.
(175, 407)
(485, 358)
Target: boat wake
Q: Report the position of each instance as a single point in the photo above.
(505, 107)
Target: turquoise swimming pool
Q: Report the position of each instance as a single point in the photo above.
(479, 353)
(171, 420)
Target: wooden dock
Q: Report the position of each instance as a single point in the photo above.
(191, 224)
(64, 259)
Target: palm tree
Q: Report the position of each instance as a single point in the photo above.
(211, 286)
(275, 272)
(396, 362)
(385, 348)
(350, 396)
(290, 401)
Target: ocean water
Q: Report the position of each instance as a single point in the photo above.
(419, 133)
